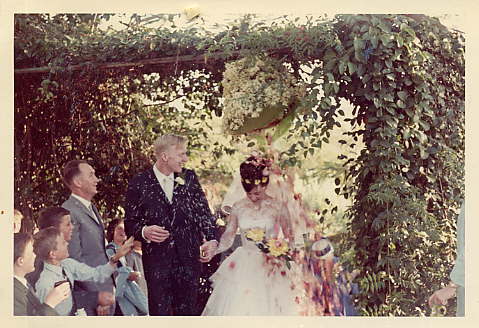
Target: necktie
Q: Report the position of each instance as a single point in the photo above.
(168, 188)
(93, 212)
(65, 277)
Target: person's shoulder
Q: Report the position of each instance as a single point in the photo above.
(142, 176)
(188, 172)
(272, 202)
(68, 203)
(238, 205)
(70, 263)
(18, 285)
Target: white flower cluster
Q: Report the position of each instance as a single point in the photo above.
(250, 85)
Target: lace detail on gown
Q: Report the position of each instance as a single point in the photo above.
(264, 218)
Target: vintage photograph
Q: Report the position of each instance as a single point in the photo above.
(194, 163)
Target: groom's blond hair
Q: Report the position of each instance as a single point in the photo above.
(164, 142)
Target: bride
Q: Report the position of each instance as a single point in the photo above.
(245, 284)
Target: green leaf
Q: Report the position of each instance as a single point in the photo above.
(424, 125)
(358, 44)
(385, 38)
(342, 67)
(351, 67)
(404, 27)
(329, 55)
(423, 153)
(402, 95)
(384, 27)
(390, 110)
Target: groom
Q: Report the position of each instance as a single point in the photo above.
(167, 210)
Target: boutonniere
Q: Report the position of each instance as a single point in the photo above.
(179, 180)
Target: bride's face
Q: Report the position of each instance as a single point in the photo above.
(257, 193)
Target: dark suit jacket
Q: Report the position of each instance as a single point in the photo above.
(87, 246)
(26, 303)
(188, 219)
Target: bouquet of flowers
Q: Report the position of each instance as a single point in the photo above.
(276, 250)
(258, 93)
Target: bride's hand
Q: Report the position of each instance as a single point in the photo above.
(208, 250)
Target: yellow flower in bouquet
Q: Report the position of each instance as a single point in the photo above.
(255, 234)
(277, 247)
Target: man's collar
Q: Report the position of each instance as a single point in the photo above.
(22, 280)
(82, 200)
(160, 175)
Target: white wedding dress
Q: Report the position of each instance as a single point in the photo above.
(242, 285)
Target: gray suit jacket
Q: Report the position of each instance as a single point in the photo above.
(87, 245)
(26, 303)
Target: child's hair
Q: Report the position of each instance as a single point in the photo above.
(51, 217)
(252, 173)
(110, 230)
(20, 241)
(45, 241)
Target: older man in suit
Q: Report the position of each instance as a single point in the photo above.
(87, 244)
(167, 210)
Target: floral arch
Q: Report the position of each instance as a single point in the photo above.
(83, 91)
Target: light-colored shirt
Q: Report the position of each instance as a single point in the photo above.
(88, 205)
(74, 270)
(166, 182)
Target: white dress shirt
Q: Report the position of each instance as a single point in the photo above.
(166, 182)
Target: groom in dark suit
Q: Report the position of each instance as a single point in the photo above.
(167, 210)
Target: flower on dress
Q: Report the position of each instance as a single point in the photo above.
(278, 247)
(256, 234)
(179, 180)
(232, 265)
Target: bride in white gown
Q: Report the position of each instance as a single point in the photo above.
(244, 284)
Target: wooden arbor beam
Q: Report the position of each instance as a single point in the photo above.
(153, 61)
(143, 62)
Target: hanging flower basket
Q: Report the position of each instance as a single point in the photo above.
(258, 94)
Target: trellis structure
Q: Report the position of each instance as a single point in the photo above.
(80, 93)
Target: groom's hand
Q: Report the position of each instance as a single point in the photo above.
(156, 233)
(207, 250)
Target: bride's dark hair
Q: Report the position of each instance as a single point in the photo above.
(252, 173)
